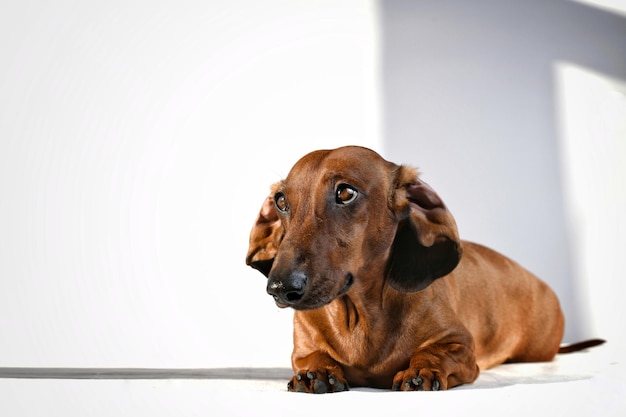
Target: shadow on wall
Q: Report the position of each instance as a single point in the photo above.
(469, 98)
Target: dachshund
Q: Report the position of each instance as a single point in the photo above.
(385, 293)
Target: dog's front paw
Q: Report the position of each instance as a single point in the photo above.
(317, 382)
(419, 380)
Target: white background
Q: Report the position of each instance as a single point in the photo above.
(138, 139)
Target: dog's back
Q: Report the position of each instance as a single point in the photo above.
(511, 314)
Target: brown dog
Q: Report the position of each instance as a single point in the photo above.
(370, 258)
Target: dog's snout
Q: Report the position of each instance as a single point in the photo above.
(287, 290)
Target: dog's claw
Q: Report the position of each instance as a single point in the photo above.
(300, 385)
(319, 387)
(436, 385)
(339, 386)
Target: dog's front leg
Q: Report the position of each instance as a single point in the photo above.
(317, 373)
(438, 366)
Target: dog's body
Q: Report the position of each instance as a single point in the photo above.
(386, 294)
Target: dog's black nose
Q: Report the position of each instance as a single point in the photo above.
(287, 290)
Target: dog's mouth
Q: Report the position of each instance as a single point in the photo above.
(316, 299)
(279, 303)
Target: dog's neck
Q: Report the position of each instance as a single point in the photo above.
(364, 304)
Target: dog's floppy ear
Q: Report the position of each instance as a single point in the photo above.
(426, 245)
(265, 237)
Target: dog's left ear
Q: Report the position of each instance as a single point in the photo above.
(265, 237)
(427, 244)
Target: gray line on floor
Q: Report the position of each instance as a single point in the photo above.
(147, 373)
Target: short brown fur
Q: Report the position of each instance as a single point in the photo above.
(386, 294)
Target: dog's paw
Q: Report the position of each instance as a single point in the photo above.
(317, 382)
(419, 380)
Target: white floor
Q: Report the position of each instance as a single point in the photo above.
(585, 383)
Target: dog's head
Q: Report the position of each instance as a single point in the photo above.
(346, 213)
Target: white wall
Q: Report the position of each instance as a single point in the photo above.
(137, 142)
(592, 121)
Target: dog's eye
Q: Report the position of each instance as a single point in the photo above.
(281, 202)
(346, 194)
